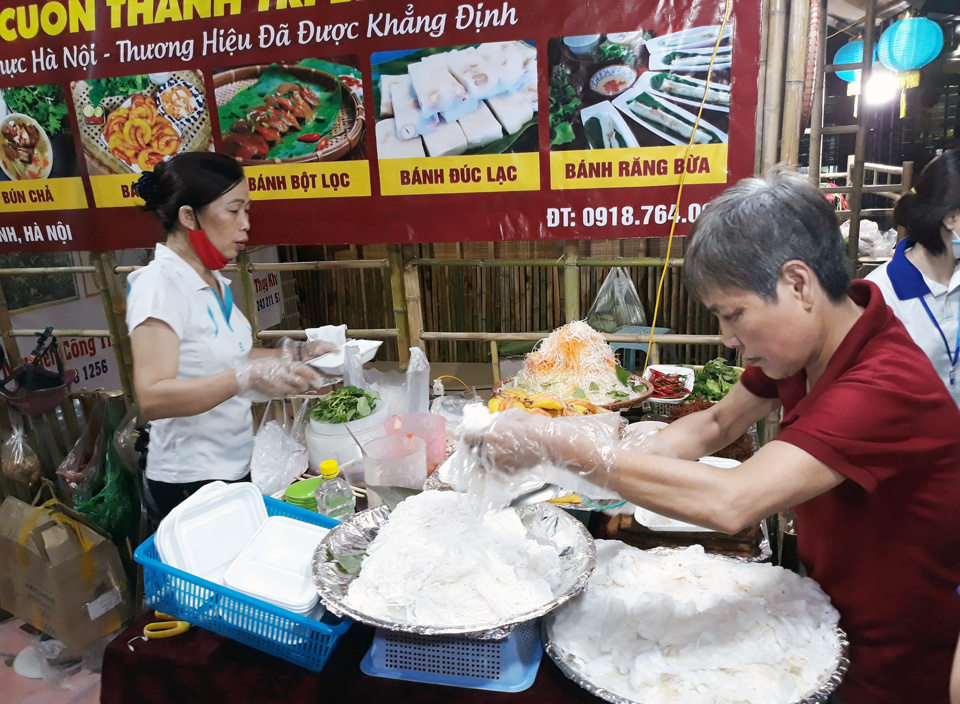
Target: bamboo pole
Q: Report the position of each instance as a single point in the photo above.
(571, 283)
(301, 335)
(341, 264)
(37, 270)
(10, 345)
(248, 296)
(116, 333)
(799, 31)
(856, 198)
(666, 339)
(495, 360)
(761, 87)
(58, 332)
(773, 91)
(118, 304)
(397, 296)
(816, 111)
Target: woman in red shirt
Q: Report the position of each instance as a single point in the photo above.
(868, 453)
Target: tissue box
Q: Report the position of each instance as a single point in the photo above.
(60, 575)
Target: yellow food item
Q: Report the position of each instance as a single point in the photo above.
(550, 402)
(139, 135)
(494, 405)
(516, 392)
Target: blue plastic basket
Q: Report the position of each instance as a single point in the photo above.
(508, 665)
(254, 622)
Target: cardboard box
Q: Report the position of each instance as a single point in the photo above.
(60, 575)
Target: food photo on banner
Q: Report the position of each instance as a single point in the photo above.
(636, 89)
(35, 137)
(311, 111)
(469, 99)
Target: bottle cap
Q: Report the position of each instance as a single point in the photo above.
(329, 469)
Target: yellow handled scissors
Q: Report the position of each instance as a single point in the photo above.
(167, 627)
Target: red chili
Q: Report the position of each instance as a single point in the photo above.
(667, 385)
(323, 144)
(310, 137)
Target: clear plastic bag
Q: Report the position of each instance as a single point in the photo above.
(125, 440)
(279, 452)
(617, 304)
(85, 455)
(404, 393)
(18, 460)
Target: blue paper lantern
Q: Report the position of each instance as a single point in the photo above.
(851, 53)
(910, 44)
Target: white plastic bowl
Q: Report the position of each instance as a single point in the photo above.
(583, 44)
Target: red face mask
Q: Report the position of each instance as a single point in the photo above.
(209, 255)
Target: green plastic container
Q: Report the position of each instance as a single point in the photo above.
(302, 493)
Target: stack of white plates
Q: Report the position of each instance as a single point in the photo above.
(275, 566)
(206, 533)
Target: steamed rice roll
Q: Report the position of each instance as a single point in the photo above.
(447, 140)
(409, 120)
(512, 110)
(386, 84)
(435, 88)
(480, 127)
(389, 147)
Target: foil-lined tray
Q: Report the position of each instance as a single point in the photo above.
(568, 665)
(543, 521)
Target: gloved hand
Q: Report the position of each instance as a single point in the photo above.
(299, 351)
(514, 441)
(266, 378)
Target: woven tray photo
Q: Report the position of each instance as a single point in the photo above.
(348, 128)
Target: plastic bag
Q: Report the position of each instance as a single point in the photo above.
(125, 440)
(617, 304)
(404, 393)
(279, 452)
(18, 460)
(86, 454)
(108, 495)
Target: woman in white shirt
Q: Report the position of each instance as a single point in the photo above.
(922, 281)
(195, 368)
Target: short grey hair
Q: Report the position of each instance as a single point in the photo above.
(747, 233)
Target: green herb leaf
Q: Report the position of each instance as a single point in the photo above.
(344, 405)
(623, 376)
(579, 393)
(594, 386)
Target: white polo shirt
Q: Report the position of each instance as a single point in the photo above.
(906, 289)
(214, 336)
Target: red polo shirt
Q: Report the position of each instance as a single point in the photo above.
(885, 545)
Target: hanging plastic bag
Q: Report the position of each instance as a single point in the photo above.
(404, 393)
(86, 454)
(617, 304)
(279, 452)
(19, 462)
(108, 495)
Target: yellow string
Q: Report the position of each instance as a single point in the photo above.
(447, 376)
(683, 179)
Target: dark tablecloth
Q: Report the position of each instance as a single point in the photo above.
(200, 666)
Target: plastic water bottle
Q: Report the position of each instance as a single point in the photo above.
(334, 496)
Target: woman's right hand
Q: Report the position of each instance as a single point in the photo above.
(266, 378)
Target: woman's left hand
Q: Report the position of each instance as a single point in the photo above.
(298, 351)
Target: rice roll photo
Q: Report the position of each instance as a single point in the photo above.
(657, 114)
(681, 59)
(512, 110)
(447, 140)
(601, 133)
(386, 84)
(480, 127)
(389, 147)
(410, 122)
(435, 88)
(691, 89)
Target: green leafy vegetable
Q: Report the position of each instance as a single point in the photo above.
(594, 386)
(613, 52)
(623, 376)
(344, 405)
(122, 87)
(714, 380)
(594, 134)
(579, 393)
(45, 104)
(564, 104)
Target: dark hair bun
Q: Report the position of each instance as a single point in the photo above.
(905, 209)
(193, 179)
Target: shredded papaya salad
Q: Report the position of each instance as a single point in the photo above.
(574, 361)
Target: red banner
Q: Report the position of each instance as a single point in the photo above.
(373, 121)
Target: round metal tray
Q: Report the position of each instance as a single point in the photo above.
(576, 548)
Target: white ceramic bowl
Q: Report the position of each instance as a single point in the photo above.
(583, 44)
(613, 80)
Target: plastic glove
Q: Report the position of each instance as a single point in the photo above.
(515, 441)
(273, 377)
(299, 351)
